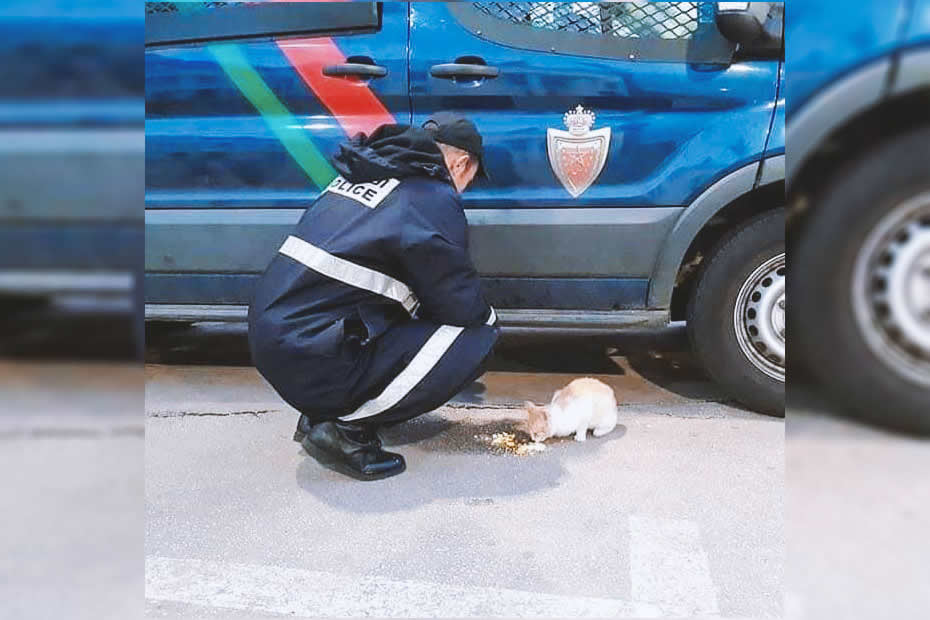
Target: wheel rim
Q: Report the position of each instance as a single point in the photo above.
(891, 289)
(759, 317)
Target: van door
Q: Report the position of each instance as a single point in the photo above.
(245, 103)
(601, 122)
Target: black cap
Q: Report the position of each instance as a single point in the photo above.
(456, 130)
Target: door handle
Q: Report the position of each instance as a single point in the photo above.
(452, 70)
(355, 69)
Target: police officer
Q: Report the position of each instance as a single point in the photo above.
(371, 313)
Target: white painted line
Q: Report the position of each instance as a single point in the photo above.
(669, 567)
(313, 594)
(794, 606)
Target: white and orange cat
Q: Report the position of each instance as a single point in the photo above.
(580, 405)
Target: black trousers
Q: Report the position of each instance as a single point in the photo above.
(413, 368)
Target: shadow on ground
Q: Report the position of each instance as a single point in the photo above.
(67, 329)
(455, 448)
(661, 357)
(432, 433)
(676, 371)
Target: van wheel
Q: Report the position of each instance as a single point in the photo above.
(863, 286)
(736, 315)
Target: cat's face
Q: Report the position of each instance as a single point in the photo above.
(537, 422)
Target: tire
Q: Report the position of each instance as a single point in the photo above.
(845, 310)
(746, 270)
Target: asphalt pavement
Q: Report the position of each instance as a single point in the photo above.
(71, 512)
(677, 513)
(680, 511)
(858, 512)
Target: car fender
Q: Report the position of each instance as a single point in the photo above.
(897, 74)
(830, 109)
(724, 191)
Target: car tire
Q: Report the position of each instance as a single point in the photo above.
(869, 225)
(736, 314)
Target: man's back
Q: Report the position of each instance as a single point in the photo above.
(386, 242)
(387, 237)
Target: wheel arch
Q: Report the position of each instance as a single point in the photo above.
(830, 109)
(876, 103)
(740, 195)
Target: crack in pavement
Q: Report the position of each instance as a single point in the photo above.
(217, 414)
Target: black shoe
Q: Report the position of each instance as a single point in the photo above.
(351, 449)
(303, 427)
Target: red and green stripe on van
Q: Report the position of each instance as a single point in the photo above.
(353, 104)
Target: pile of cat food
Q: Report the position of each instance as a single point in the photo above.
(508, 443)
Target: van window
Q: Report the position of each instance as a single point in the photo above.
(636, 30)
(184, 22)
(629, 20)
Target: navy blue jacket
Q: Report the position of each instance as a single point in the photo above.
(392, 219)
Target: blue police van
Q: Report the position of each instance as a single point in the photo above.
(858, 181)
(636, 153)
(72, 161)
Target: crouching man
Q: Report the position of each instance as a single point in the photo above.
(371, 313)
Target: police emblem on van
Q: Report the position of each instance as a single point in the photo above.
(578, 155)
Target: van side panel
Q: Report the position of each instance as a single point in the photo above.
(827, 39)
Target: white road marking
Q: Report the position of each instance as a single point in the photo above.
(794, 606)
(311, 594)
(669, 567)
(669, 576)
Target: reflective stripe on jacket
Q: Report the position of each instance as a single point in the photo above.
(363, 257)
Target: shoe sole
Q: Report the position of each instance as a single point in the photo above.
(329, 463)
